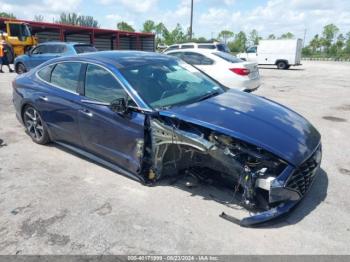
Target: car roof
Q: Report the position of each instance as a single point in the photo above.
(120, 59)
(193, 50)
(62, 43)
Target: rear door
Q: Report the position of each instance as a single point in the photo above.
(115, 137)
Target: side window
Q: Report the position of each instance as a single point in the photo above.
(41, 49)
(187, 46)
(177, 54)
(251, 49)
(100, 85)
(174, 47)
(197, 59)
(45, 73)
(206, 46)
(55, 49)
(66, 75)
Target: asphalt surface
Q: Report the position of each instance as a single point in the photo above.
(55, 202)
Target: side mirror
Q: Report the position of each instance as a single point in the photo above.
(119, 106)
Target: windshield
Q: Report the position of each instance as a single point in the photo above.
(170, 83)
(228, 57)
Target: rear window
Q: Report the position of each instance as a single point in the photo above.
(84, 49)
(228, 57)
(207, 46)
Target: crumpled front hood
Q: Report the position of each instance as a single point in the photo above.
(255, 120)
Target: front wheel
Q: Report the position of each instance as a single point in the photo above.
(20, 68)
(35, 126)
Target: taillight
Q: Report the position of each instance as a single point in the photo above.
(240, 71)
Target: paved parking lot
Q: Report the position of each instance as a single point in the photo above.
(55, 202)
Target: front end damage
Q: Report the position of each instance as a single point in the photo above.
(262, 181)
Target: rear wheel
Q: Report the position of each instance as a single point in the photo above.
(282, 65)
(35, 126)
(20, 68)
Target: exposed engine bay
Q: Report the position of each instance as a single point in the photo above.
(174, 146)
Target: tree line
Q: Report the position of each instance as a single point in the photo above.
(330, 43)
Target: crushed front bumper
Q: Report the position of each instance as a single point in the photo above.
(287, 190)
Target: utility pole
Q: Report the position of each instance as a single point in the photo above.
(304, 37)
(191, 20)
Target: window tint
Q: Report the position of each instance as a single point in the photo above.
(228, 57)
(196, 59)
(66, 75)
(84, 49)
(223, 48)
(187, 46)
(55, 49)
(101, 85)
(207, 46)
(41, 49)
(45, 73)
(176, 54)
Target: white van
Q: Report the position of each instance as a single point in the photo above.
(282, 53)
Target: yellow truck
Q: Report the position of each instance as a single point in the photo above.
(17, 36)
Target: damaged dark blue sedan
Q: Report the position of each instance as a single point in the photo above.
(150, 116)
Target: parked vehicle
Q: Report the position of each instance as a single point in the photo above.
(212, 46)
(282, 53)
(225, 68)
(49, 50)
(149, 115)
(18, 37)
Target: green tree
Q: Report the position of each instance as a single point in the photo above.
(271, 37)
(340, 43)
(124, 26)
(177, 35)
(254, 37)
(39, 18)
(288, 35)
(347, 44)
(88, 21)
(149, 26)
(159, 30)
(328, 35)
(75, 19)
(239, 43)
(315, 43)
(225, 35)
(7, 15)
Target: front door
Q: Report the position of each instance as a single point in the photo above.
(117, 138)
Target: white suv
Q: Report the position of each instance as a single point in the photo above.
(213, 46)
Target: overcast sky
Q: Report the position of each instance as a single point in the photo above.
(210, 16)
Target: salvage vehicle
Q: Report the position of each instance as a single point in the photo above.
(225, 68)
(49, 50)
(150, 116)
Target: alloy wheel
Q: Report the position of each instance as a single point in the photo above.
(33, 123)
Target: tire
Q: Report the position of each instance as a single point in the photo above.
(282, 65)
(20, 68)
(35, 126)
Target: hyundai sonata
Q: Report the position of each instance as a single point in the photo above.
(149, 116)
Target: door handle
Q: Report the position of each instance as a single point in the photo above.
(86, 112)
(43, 98)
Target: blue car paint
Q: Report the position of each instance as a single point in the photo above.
(116, 138)
(255, 120)
(32, 61)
